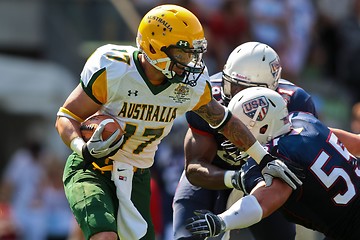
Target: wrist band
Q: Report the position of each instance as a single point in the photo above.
(256, 151)
(227, 178)
(77, 144)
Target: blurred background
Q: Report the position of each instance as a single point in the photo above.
(45, 43)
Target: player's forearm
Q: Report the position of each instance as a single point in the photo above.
(241, 136)
(243, 213)
(350, 140)
(205, 175)
(252, 208)
(68, 129)
(238, 134)
(232, 128)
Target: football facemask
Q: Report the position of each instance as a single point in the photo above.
(186, 64)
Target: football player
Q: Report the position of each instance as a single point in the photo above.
(145, 88)
(323, 193)
(211, 161)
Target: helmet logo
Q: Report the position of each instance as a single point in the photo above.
(242, 77)
(162, 21)
(183, 43)
(275, 67)
(251, 107)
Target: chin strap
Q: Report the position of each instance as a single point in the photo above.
(154, 63)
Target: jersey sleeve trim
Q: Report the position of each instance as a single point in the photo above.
(205, 97)
(200, 132)
(96, 89)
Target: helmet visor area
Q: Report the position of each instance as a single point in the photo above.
(231, 86)
(186, 59)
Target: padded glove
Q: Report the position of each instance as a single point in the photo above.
(289, 173)
(247, 177)
(205, 224)
(98, 149)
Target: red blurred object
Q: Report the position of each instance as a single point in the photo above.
(7, 225)
(156, 208)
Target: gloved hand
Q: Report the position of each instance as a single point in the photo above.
(205, 224)
(289, 173)
(247, 177)
(233, 152)
(97, 149)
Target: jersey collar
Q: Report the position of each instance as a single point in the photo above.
(154, 89)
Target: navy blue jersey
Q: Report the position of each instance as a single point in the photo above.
(329, 199)
(297, 100)
(188, 198)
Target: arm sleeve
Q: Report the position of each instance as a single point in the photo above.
(243, 213)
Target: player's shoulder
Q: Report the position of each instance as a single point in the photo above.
(287, 87)
(300, 119)
(305, 126)
(116, 59)
(216, 77)
(204, 76)
(111, 53)
(203, 85)
(109, 49)
(216, 81)
(285, 82)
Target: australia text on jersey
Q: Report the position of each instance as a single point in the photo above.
(147, 112)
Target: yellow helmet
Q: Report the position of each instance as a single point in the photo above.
(170, 35)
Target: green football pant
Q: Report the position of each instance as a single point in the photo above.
(92, 197)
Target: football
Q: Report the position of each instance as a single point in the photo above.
(88, 127)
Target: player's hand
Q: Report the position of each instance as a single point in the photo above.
(96, 148)
(205, 224)
(234, 152)
(289, 173)
(247, 177)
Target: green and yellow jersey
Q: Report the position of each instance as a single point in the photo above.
(113, 77)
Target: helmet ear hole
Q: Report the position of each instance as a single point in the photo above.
(263, 129)
(152, 50)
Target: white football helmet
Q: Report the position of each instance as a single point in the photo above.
(250, 64)
(263, 111)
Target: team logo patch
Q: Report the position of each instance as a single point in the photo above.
(250, 107)
(183, 43)
(275, 67)
(135, 93)
(181, 93)
(181, 90)
(123, 178)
